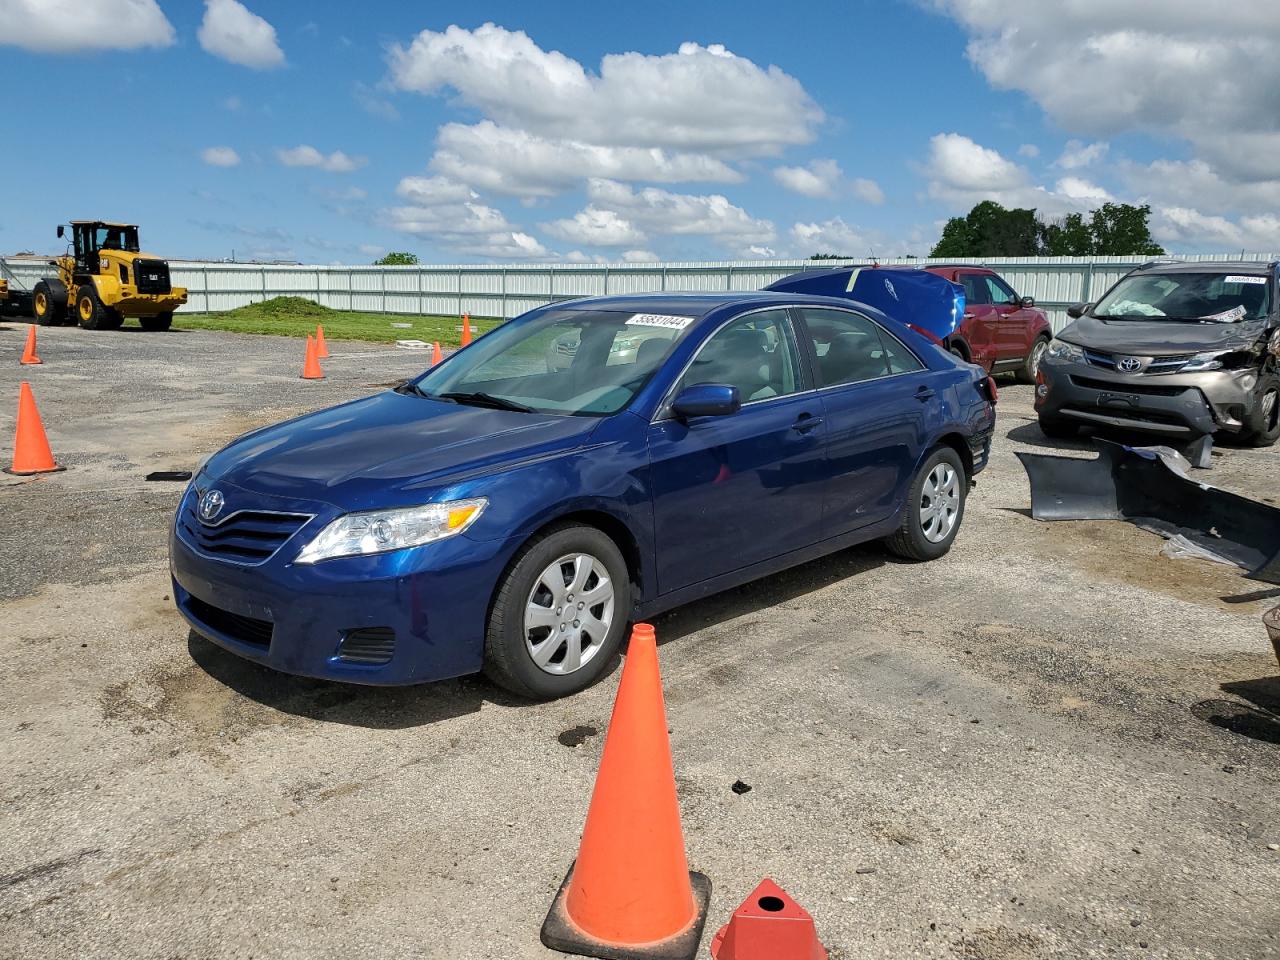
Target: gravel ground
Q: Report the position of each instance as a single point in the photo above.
(1054, 742)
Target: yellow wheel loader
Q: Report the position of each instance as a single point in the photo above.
(104, 279)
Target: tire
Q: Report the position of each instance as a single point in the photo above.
(157, 324)
(92, 313)
(916, 538)
(511, 645)
(1031, 366)
(1262, 426)
(958, 351)
(1056, 429)
(48, 309)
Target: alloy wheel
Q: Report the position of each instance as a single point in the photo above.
(568, 613)
(1037, 354)
(940, 503)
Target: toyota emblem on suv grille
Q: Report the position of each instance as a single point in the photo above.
(211, 505)
(1128, 364)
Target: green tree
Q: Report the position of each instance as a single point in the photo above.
(830, 256)
(1068, 236)
(1121, 230)
(989, 230)
(397, 258)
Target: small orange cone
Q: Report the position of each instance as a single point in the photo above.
(29, 354)
(466, 329)
(322, 348)
(31, 453)
(768, 926)
(436, 355)
(311, 366)
(630, 892)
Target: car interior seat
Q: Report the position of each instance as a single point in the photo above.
(853, 357)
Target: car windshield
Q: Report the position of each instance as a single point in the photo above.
(1219, 297)
(584, 363)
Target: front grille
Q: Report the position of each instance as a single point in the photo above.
(1168, 364)
(249, 536)
(151, 276)
(368, 645)
(256, 633)
(1128, 387)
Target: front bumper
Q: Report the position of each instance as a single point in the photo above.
(426, 607)
(134, 304)
(1176, 405)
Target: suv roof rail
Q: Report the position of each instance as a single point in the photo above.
(1157, 261)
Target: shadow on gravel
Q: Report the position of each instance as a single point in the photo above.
(1029, 433)
(780, 588)
(1259, 719)
(379, 708)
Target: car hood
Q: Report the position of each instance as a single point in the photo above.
(359, 454)
(1156, 337)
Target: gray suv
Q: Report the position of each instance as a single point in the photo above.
(1175, 348)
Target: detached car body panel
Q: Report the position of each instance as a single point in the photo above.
(695, 504)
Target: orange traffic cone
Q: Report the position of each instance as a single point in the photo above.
(29, 354)
(311, 366)
(630, 892)
(322, 348)
(768, 926)
(436, 354)
(31, 453)
(466, 329)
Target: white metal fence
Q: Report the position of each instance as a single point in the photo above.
(507, 291)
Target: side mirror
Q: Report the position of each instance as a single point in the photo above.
(706, 400)
(59, 231)
(1078, 310)
(1028, 301)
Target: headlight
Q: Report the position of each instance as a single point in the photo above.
(377, 531)
(1061, 350)
(1205, 361)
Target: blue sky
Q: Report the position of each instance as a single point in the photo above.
(665, 130)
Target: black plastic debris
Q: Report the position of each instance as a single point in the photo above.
(182, 475)
(740, 788)
(575, 736)
(1140, 486)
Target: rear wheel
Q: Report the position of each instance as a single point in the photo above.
(958, 351)
(1263, 423)
(934, 508)
(158, 324)
(559, 615)
(92, 313)
(1031, 366)
(46, 307)
(1056, 429)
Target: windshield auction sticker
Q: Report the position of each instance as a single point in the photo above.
(1245, 280)
(659, 320)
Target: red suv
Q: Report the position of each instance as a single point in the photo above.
(1001, 331)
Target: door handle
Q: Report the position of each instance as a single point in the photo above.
(806, 422)
(925, 393)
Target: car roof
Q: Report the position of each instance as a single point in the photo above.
(1247, 267)
(101, 223)
(689, 304)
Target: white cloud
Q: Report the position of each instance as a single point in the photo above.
(1195, 183)
(1076, 154)
(1077, 188)
(831, 236)
(1189, 228)
(449, 213)
(595, 227)
(699, 98)
(230, 31)
(513, 161)
(69, 26)
(220, 157)
(819, 178)
(867, 190)
(305, 155)
(1029, 150)
(765, 253)
(639, 256)
(662, 212)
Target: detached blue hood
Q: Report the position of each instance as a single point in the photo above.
(921, 299)
(386, 443)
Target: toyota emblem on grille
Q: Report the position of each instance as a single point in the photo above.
(211, 505)
(1129, 364)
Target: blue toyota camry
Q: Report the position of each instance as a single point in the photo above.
(585, 465)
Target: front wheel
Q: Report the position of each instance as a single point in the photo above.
(559, 614)
(1263, 423)
(157, 324)
(934, 508)
(92, 313)
(1031, 366)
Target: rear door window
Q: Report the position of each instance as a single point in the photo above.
(851, 348)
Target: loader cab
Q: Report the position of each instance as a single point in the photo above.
(89, 237)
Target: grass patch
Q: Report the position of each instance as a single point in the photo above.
(298, 316)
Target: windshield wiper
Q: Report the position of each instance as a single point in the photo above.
(487, 400)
